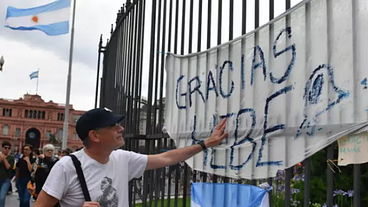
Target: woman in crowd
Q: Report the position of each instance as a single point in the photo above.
(23, 175)
(43, 165)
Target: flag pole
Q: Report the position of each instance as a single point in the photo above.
(38, 77)
(66, 113)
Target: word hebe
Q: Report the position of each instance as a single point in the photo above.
(184, 99)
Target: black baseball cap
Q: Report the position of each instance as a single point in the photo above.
(94, 119)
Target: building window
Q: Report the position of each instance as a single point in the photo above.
(34, 114)
(7, 112)
(17, 132)
(26, 114)
(76, 136)
(38, 114)
(5, 130)
(30, 113)
(60, 117)
(48, 133)
(43, 115)
(60, 134)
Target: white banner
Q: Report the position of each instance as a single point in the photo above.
(288, 90)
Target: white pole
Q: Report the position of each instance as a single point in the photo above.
(38, 77)
(66, 113)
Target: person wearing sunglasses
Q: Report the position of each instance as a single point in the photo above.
(6, 164)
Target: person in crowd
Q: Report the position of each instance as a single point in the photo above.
(108, 169)
(43, 166)
(23, 175)
(6, 165)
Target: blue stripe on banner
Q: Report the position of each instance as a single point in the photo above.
(51, 29)
(227, 195)
(56, 5)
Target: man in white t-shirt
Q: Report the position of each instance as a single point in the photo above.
(107, 171)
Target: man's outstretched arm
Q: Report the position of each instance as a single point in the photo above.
(174, 156)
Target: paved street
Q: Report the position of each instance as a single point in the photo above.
(12, 200)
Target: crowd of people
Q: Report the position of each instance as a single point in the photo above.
(28, 170)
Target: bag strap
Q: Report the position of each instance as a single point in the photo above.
(81, 179)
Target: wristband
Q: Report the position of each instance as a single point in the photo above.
(203, 145)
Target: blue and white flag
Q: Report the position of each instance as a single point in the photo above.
(33, 75)
(52, 18)
(228, 195)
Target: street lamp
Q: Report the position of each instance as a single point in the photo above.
(2, 61)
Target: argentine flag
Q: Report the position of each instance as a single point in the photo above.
(52, 18)
(33, 75)
(228, 195)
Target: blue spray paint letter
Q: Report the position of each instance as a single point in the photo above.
(232, 82)
(267, 130)
(213, 87)
(196, 88)
(246, 138)
(259, 64)
(276, 54)
(177, 94)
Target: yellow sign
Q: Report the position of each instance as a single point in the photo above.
(353, 149)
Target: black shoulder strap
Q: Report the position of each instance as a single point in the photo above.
(81, 179)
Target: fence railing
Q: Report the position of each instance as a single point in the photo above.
(134, 55)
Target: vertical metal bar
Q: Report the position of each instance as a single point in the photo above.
(151, 68)
(135, 69)
(175, 51)
(256, 14)
(163, 181)
(177, 175)
(176, 27)
(288, 173)
(152, 173)
(272, 9)
(124, 67)
(190, 27)
(145, 176)
(244, 17)
(219, 22)
(357, 185)
(269, 180)
(199, 37)
(330, 176)
(130, 68)
(307, 180)
(98, 68)
(140, 59)
(209, 10)
(170, 27)
(171, 142)
(157, 66)
(161, 111)
(231, 20)
(183, 28)
(157, 174)
(138, 69)
(169, 180)
(150, 85)
(287, 4)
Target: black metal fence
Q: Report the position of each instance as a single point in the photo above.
(144, 32)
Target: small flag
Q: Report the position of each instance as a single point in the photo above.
(33, 75)
(52, 18)
(228, 195)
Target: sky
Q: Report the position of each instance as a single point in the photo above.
(27, 51)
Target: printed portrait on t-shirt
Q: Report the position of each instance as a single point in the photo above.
(108, 197)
